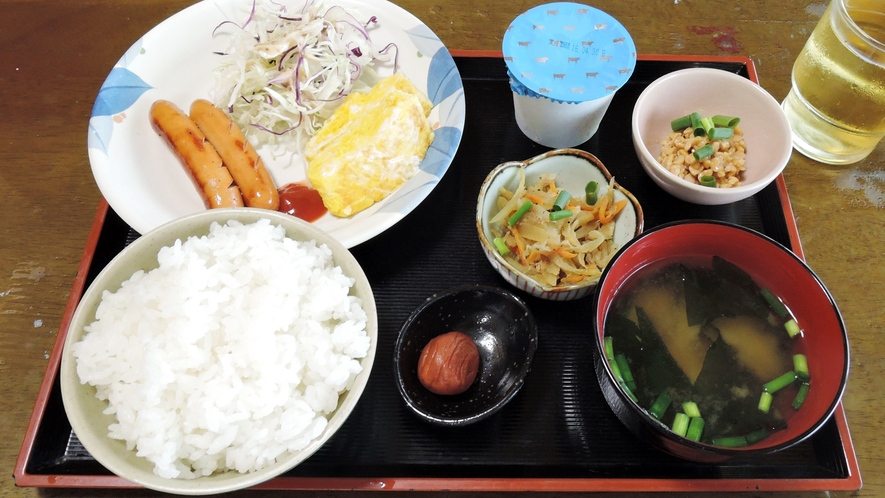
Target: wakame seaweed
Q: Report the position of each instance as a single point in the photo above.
(661, 370)
(726, 290)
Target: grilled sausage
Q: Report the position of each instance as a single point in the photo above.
(239, 156)
(205, 166)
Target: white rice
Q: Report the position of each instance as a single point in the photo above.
(231, 353)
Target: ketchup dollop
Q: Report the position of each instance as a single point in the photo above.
(301, 201)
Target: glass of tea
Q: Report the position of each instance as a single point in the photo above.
(836, 106)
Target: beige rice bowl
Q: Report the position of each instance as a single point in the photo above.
(230, 354)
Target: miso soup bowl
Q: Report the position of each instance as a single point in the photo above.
(773, 266)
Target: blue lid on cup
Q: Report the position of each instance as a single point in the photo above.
(568, 52)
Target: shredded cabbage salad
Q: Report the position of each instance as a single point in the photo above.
(287, 69)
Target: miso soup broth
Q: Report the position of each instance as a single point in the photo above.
(703, 340)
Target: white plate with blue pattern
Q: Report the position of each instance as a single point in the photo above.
(146, 184)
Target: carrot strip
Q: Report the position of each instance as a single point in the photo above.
(520, 245)
(602, 203)
(616, 208)
(601, 207)
(565, 254)
(534, 198)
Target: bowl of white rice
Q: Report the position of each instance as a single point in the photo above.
(218, 351)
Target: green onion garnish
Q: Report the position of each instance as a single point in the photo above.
(680, 124)
(561, 200)
(725, 121)
(780, 382)
(792, 328)
(680, 424)
(730, 442)
(695, 118)
(660, 406)
(609, 348)
(765, 401)
(591, 191)
(630, 393)
(707, 123)
(616, 371)
(624, 367)
(691, 409)
(756, 435)
(800, 366)
(514, 219)
(703, 153)
(558, 215)
(708, 181)
(502, 248)
(695, 429)
(720, 133)
(775, 303)
(800, 396)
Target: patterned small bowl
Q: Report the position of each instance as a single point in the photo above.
(573, 169)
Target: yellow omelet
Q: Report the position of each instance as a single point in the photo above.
(372, 144)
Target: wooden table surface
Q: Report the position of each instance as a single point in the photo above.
(54, 56)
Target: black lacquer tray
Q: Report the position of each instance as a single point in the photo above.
(558, 433)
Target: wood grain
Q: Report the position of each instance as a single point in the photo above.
(56, 54)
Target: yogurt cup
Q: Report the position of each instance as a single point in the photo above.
(565, 62)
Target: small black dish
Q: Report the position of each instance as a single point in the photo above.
(504, 331)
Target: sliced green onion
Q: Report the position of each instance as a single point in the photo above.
(691, 409)
(514, 219)
(730, 442)
(624, 367)
(792, 328)
(800, 366)
(680, 124)
(780, 382)
(609, 348)
(775, 303)
(561, 200)
(662, 402)
(616, 371)
(558, 215)
(695, 429)
(707, 123)
(502, 248)
(800, 396)
(765, 401)
(703, 153)
(720, 133)
(756, 435)
(695, 118)
(708, 181)
(680, 424)
(590, 192)
(726, 121)
(630, 393)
